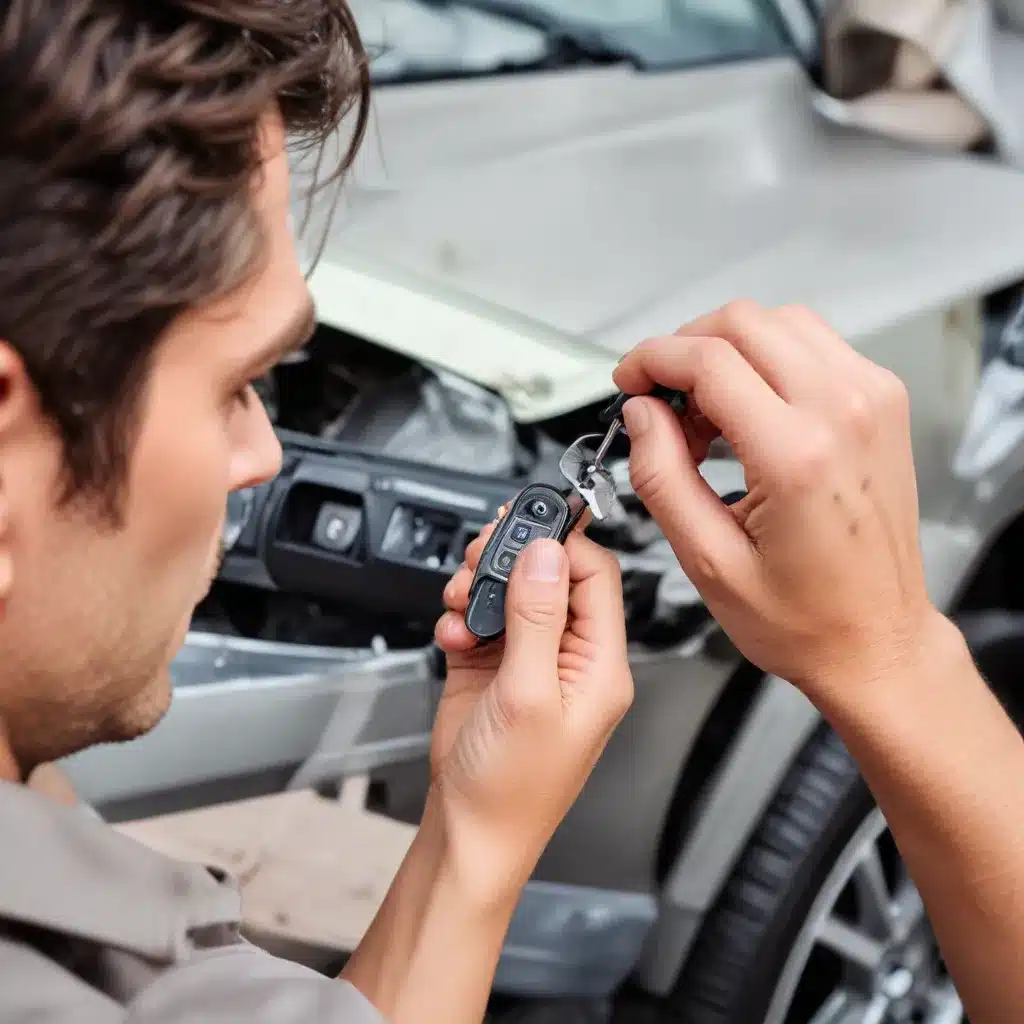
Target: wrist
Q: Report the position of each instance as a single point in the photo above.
(461, 930)
(487, 865)
(877, 679)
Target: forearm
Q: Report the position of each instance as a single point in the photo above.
(452, 969)
(946, 765)
(430, 954)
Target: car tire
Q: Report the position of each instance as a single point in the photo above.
(736, 964)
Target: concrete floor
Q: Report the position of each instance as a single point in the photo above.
(313, 871)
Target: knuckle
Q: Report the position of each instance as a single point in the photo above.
(859, 413)
(801, 315)
(892, 392)
(648, 351)
(538, 613)
(740, 314)
(712, 356)
(811, 457)
(646, 479)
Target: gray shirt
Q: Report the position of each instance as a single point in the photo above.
(96, 928)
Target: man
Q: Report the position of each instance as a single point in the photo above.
(147, 275)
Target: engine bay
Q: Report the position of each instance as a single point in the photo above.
(358, 422)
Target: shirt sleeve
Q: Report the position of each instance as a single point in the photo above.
(245, 984)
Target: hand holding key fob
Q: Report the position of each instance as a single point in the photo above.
(543, 511)
(538, 511)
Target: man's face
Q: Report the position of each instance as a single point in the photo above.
(91, 616)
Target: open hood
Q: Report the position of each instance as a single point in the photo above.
(526, 230)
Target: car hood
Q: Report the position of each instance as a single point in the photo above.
(526, 230)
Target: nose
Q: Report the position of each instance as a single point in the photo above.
(259, 459)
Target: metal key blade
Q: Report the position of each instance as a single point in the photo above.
(582, 468)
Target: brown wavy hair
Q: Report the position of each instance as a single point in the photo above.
(130, 145)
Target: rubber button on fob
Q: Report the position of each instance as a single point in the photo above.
(504, 561)
(485, 616)
(520, 533)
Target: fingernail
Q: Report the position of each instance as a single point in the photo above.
(636, 417)
(543, 561)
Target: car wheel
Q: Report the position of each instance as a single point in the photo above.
(819, 923)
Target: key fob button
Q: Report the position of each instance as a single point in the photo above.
(504, 561)
(542, 510)
(485, 616)
(520, 533)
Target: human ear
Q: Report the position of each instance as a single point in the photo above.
(15, 403)
(16, 393)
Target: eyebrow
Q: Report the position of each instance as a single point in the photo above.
(291, 338)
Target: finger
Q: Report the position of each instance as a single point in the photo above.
(727, 389)
(456, 593)
(536, 608)
(452, 635)
(790, 363)
(699, 432)
(595, 594)
(475, 548)
(817, 334)
(704, 534)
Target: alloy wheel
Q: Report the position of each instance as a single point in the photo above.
(866, 953)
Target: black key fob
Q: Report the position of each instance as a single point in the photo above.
(538, 511)
(676, 399)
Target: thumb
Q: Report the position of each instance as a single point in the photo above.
(703, 532)
(536, 608)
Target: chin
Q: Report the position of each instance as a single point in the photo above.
(146, 709)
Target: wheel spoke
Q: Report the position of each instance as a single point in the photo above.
(873, 898)
(907, 909)
(853, 945)
(842, 1007)
(876, 1011)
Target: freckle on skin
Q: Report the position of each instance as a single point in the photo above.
(853, 528)
(836, 498)
(865, 484)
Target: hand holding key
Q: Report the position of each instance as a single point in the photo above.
(817, 573)
(523, 720)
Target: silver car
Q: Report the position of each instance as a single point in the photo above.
(545, 183)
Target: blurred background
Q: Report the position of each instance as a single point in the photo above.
(546, 183)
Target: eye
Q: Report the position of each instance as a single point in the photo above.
(253, 391)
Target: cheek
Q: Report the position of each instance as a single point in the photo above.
(179, 487)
